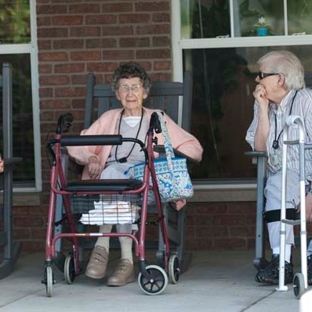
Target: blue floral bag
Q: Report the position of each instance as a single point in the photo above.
(173, 179)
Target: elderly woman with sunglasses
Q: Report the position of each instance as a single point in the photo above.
(131, 85)
(280, 92)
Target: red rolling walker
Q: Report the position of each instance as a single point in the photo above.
(152, 279)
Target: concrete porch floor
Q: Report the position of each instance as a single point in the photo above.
(214, 281)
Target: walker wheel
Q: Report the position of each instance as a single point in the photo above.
(49, 280)
(69, 269)
(298, 284)
(174, 269)
(156, 284)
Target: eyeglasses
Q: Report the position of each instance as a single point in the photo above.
(126, 89)
(262, 75)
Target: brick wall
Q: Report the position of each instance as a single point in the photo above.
(208, 226)
(76, 37)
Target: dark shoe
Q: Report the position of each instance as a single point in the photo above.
(310, 270)
(270, 273)
(123, 274)
(97, 264)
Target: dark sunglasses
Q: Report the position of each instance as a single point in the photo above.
(262, 75)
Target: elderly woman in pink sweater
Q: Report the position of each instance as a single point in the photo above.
(131, 85)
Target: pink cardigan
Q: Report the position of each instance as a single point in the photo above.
(106, 124)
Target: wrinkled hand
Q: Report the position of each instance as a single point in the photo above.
(94, 167)
(178, 204)
(260, 96)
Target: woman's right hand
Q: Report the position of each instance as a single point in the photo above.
(260, 96)
(1, 165)
(94, 167)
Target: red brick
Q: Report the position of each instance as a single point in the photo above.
(69, 68)
(91, 31)
(134, 42)
(51, 9)
(101, 19)
(85, 55)
(117, 7)
(102, 67)
(52, 32)
(25, 222)
(84, 8)
(68, 44)
(211, 231)
(52, 57)
(161, 18)
(67, 20)
(162, 41)
(50, 104)
(163, 65)
(153, 29)
(152, 6)
(54, 80)
(134, 18)
(69, 92)
(43, 21)
(118, 55)
(38, 234)
(44, 44)
(101, 43)
(153, 54)
(45, 69)
(230, 220)
(117, 30)
(45, 92)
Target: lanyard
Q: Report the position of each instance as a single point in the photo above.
(275, 144)
(124, 159)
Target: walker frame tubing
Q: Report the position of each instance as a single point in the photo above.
(58, 183)
(291, 121)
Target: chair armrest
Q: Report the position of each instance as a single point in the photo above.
(161, 150)
(9, 162)
(256, 156)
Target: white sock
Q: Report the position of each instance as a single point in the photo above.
(126, 248)
(104, 241)
(276, 251)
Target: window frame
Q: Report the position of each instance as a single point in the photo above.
(179, 44)
(31, 48)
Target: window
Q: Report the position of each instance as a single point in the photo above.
(18, 47)
(218, 42)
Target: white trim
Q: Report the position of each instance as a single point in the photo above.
(244, 42)
(31, 49)
(221, 186)
(35, 95)
(15, 48)
(176, 48)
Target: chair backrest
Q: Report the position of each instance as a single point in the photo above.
(163, 95)
(308, 79)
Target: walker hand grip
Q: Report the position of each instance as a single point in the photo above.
(292, 120)
(83, 140)
(155, 123)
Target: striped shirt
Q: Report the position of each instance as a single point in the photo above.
(299, 104)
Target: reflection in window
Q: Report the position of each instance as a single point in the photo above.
(23, 143)
(14, 21)
(212, 18)
(222, 107)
